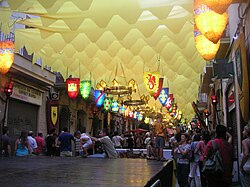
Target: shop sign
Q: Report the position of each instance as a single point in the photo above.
(27, 94)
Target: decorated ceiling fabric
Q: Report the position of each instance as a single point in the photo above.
(97, 37)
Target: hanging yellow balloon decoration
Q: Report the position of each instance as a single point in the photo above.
(205, 47)
(211, 24)
(6, 56)
(219, 6)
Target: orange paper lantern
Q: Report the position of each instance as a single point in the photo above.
(211, 24)
(219, 6)
(6, 56)
(205, 47)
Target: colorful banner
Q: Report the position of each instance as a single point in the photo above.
(151, 80)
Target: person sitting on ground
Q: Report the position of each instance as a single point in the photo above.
(85, 143)
(22, 146)
(117, 140)
(64, 141)
(108, 145)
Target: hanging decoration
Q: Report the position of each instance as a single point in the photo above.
(205, 47)
(151, 80)
(115, 106)
(219, 6)
(6, 56)
(136, 114)
(163, 97)
(169, 103)
(131, 114)
(122, 109)
(157, 93)
(85, 88)
(211, 24)
(140, 117)
(99, 97)
(107, 103)
(73, 85)
(146, 120)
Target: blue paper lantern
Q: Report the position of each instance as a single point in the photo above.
(163, 97)
(99, 97)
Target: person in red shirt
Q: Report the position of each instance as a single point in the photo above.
(40, 144)
(226, 152)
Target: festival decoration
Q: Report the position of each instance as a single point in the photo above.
(157, 93)
(107, 103)
(163, 97)
(99, 97)
(219, 6)
(115, 106)
(205, 47)
(140, 117)
(72, 85)
(169, 103)
(85, 88)
(211, 24)
(146, 120)
(151, 80)
(122, 109)
(6, 56)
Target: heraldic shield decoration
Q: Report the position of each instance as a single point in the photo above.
(54, 115)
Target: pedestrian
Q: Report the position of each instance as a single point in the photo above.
(51, 145)
(77, 136)
(226, 151)
(107, 143)
(160, 136)
(245, 158)
(181, 153)
(22, 146)
(5, 143)
(64, 142)
(40, 144)
(32, 142)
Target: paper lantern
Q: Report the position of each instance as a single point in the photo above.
(73, 85)
(146, 120)
(122, 109)
(6, 56)
(210, 23)
(169, 103)
(85, 87)
(107, 103)
(157, 93)
(140, 117)
(151, 80)
(205, 47)
(219, 6)
(115, 106)
(99, 97)
(163, 97)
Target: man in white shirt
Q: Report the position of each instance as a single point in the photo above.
(117, 140)
(32, 142)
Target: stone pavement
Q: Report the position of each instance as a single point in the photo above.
(57, 171)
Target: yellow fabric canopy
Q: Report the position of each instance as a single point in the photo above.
(78, 37)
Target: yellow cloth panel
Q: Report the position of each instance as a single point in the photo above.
(78, 37)
(5, 21)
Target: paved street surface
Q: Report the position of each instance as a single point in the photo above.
(57, 171)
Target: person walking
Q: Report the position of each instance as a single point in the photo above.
(5, 143)
(22, 146)
(245, 158)
(40, 144)
(226, 151)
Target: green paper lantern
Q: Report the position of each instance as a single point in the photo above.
(85, 88)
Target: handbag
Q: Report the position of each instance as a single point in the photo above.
(246, 166)
(214, 164)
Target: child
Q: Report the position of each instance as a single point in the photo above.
(86, 143)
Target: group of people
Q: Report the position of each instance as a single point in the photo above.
(191, 152)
